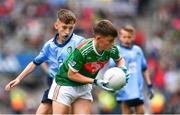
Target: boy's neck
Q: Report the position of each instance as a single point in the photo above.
(98, 49)
(127, 46)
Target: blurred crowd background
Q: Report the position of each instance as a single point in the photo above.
(26, 24)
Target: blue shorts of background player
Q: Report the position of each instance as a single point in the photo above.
(45, 95)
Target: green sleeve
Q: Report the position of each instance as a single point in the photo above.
(75, 61)
(115, 54)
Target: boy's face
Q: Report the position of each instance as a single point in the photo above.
(126, 38)
(105, 43)
(64, 30)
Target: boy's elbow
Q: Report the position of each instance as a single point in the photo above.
(70, 75)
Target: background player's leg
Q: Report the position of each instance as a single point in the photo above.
(46, 104)
(44, 108)
(81, 106)
(125, 108)
(139, 109)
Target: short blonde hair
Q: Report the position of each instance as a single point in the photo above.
(66, 16)
(129, 28)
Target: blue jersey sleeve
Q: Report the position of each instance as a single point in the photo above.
(42, 57)
(143, 61)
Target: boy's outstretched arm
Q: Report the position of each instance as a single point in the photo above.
(29, 68)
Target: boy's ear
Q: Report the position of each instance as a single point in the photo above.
(56, 25)
(97, 37)
(120, 32)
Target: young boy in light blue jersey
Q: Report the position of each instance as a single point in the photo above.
(54, 52)
(131, 95)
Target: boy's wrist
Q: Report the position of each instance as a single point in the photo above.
(18, 80)
(122, 66)
(95, 81)
(150, 86)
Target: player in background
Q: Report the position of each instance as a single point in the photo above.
(132, 94)
(73, 84)
(54, 52)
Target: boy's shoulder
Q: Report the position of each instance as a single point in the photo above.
(136, 47)
(77, 37)
(50, 41)
(84, 43)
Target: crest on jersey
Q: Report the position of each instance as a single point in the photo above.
(72, 63)
(69, 49)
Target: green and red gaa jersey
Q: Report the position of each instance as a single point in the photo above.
(85, 60)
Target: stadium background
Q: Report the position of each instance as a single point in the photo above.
(26, 24)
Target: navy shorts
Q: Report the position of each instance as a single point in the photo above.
(45, 96)
(133, 102)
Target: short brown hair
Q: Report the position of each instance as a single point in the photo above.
(66, 16)
(129, 28)
(105, 28)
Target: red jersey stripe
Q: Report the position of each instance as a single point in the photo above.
(84, 43)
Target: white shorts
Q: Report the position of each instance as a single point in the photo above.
(68, 94)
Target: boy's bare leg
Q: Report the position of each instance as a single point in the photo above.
(44, 108)
(59, 108)
(139, 109)
(125, 108)
(81, 106)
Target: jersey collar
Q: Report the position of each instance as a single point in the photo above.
(126, 47)
(61, 45)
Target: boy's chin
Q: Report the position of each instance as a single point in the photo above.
(65, 37)
(107, 49)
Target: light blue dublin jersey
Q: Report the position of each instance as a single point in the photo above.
(55, 54)
(136, 64)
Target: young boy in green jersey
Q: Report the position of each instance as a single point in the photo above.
(72, 86)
